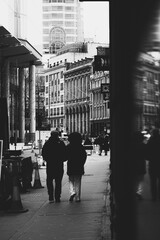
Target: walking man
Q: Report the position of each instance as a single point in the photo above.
(54, 153)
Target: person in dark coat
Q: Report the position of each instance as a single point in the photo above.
(153, 156)
(100, 141)
(106, 144)
(54, 153)
(76, 158)
(138, 154)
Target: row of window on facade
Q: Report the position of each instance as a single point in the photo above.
(59, 16)
(58, 8)
(150, 109)
(55, 111)
(57, 123)
(51, 88)
(56, 99)
(58, 1)
(59, 23)
(55, 76)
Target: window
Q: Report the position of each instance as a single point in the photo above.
(57, 111)
(61, 86)
(69, 16)
(61, 98)
(54, 111)
(61, 74)
(46, 89)
(69, 24)
(46, 78)
(55, 123)
(61, 110)
(46, 101)
(69, 9)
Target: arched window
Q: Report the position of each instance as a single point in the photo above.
(57, 39)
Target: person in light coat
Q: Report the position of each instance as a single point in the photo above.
(76, 158)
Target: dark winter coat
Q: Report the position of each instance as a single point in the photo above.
(54, 153)
(76, 156)
(153, 154)
(138, 154)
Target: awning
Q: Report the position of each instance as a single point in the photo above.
(19, 51)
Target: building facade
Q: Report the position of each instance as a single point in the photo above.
(54, 96)
(62, 24)
(147, 92)
(99, 104)
(77, 83)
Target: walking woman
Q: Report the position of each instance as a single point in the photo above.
(76, 158)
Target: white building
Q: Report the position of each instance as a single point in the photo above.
(13, 17)
(62, 24)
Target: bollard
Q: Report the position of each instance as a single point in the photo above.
(32, 151)
(37, 181)
(16, 204)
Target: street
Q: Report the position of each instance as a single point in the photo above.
(64, 220)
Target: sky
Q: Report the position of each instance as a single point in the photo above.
(96, 21)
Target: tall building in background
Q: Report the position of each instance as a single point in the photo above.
(62, 24)
(13, 17)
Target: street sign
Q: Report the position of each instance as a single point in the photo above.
(102, 60)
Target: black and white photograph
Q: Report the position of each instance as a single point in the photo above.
(79, 120)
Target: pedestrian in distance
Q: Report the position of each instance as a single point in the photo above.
(88, 145)
(153, 156)
(100, 142)
(138, 153)
(106, 144)
(76, 158)
(54, 153)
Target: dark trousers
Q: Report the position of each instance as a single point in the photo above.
(54, 185)
(155, 186)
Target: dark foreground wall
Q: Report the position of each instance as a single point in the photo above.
(129, 25)
(4, 132)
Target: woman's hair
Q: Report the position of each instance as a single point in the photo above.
(75, 137)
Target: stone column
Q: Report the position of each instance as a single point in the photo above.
(6, 82)
(72, 121)
(21, 104)
(32, 102)
(69, 121)
(6, 90)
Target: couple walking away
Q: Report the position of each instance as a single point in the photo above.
(55, 153)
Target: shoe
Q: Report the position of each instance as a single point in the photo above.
(78, 200)
(71, 197)
(58, 200)
(51, 200)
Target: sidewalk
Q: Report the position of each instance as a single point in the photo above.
(87, 220)
(148, 215)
